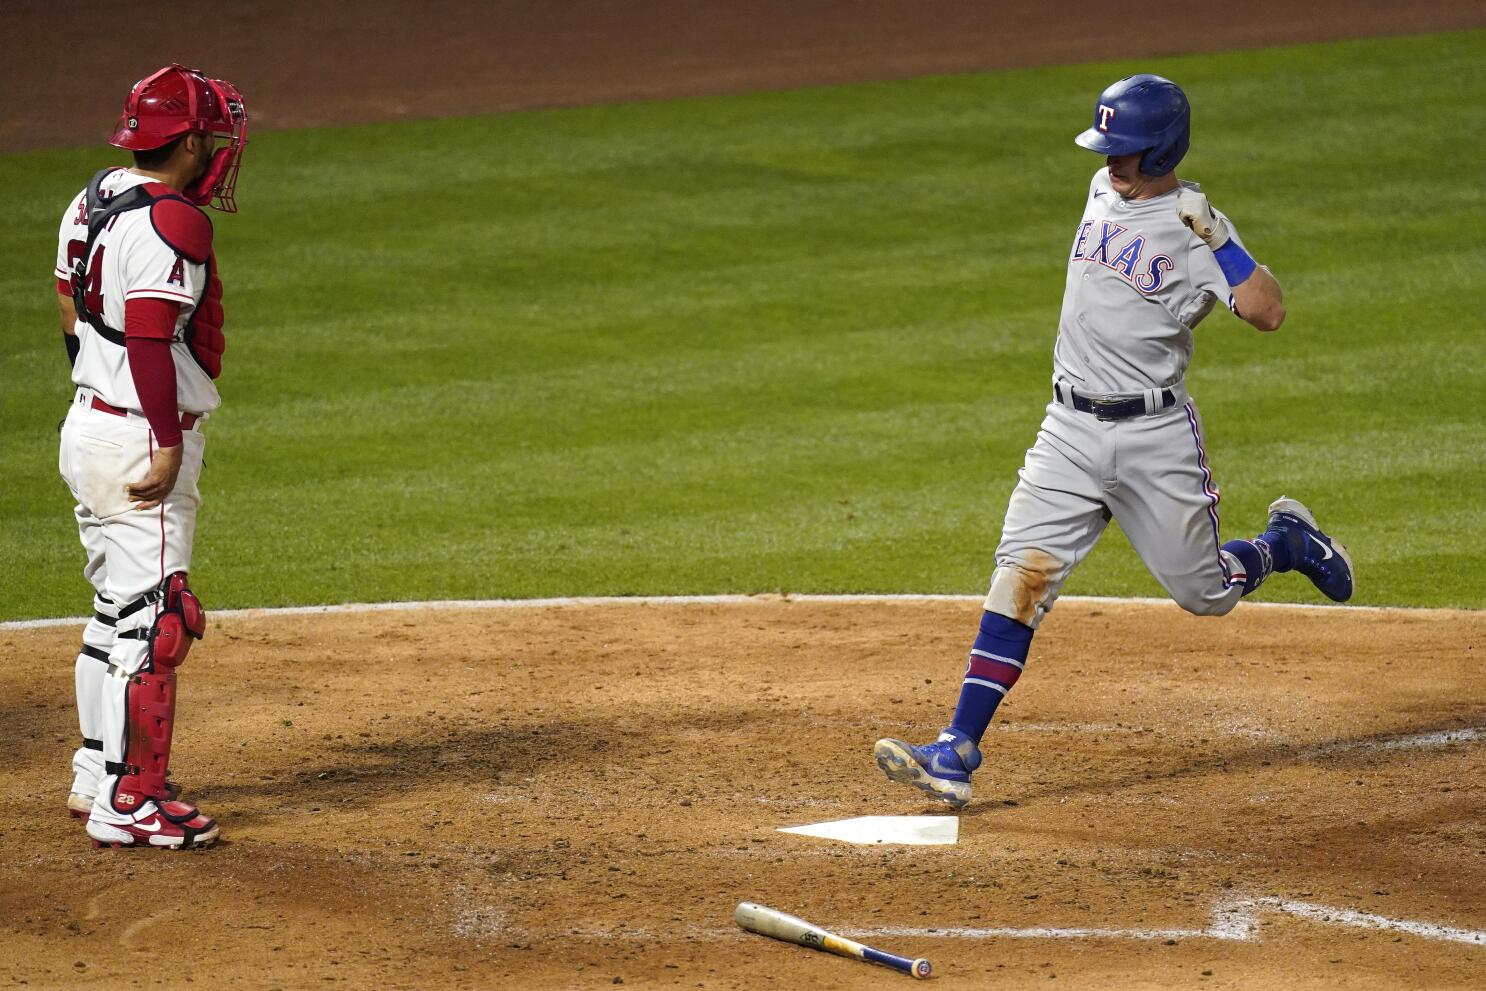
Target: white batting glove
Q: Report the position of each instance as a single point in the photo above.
(1192, 206)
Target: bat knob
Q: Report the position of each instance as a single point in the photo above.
(922, 968)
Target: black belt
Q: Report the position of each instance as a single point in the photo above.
(1109, 409)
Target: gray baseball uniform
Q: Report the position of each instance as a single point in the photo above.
(1139, 281)
(1122, 440)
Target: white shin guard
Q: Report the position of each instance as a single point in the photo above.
(126, 658)
(89, 674)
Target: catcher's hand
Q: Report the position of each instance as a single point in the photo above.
(159, 480)
(1192, 206)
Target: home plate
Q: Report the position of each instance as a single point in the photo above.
(912, 830)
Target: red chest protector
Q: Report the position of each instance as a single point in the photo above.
(187, 231)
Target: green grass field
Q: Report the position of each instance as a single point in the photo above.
(792, 341)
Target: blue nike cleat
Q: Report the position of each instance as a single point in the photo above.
(1323, 560)
(941, 768)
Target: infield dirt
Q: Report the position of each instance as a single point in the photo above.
(578, 796)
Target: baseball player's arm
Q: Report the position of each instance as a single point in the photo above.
(69, 325)
(63, 270)
(149, 325)
(68, 312)
(1259, 300)
(1257, 297)
(162, 270)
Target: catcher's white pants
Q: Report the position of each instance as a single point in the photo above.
(129, 552)
(1149, 473)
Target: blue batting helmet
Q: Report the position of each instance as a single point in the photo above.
(1146, 114)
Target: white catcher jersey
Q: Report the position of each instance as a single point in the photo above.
(1139, 281)
(131, 261)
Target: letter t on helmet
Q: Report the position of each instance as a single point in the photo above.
(1146, 115)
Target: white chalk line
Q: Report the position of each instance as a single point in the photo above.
(1235, 921)
(1415, 741)
(691, 600)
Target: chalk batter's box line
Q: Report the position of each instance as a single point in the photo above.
(1235, 921)
(691, 600)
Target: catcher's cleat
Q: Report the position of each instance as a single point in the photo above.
(941, 768)
(1321, 559)
(173, 825)
(81, 806)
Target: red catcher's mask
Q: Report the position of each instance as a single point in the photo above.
(176, 101)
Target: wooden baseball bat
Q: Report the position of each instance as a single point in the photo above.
(768, 921)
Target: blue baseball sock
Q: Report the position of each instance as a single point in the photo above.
(1265, 554)
(1255, 562)
(1280, 549)
(996, 662)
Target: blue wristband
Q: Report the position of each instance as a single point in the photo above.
(1235, 262)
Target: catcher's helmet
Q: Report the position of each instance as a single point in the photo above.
(1146, 114)
(175, 101)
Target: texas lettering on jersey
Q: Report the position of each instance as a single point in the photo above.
(1138, 283)
(1108, 247)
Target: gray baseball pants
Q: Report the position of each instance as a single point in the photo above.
(1150, 474)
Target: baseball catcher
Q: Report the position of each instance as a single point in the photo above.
(141, 307)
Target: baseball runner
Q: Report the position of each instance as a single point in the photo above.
(1122, 438)
(141, 309)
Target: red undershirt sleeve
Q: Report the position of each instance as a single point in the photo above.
(149, 325)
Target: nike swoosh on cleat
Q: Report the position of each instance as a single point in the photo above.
(1325, 551)
(153, 826)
